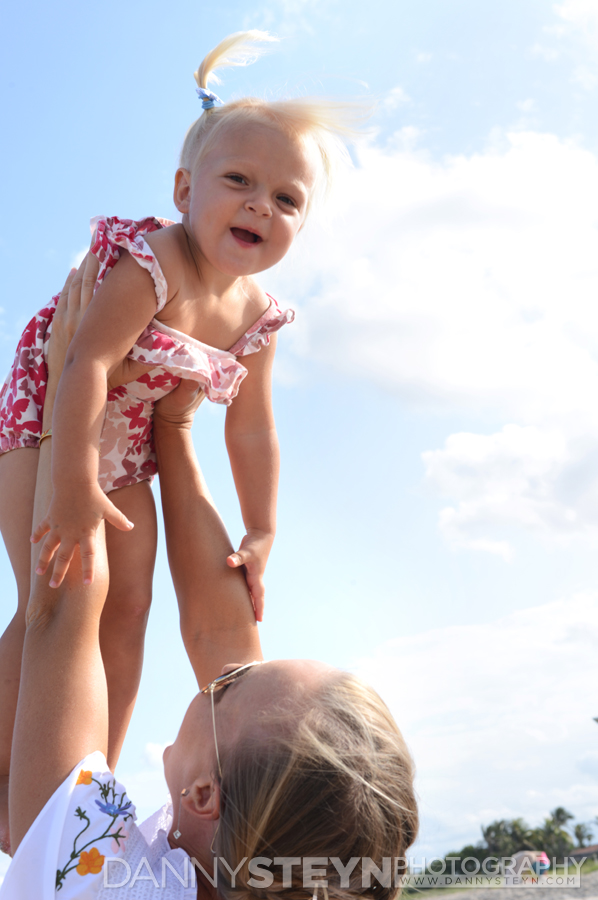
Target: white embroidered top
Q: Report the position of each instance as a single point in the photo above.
(85, 844)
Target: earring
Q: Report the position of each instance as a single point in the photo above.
(176, 835)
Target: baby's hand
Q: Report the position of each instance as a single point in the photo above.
(73, 520)
(253, 554)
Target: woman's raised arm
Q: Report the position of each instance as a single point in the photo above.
(217, 618)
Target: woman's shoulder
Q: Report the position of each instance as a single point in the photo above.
(85, 843)
(87, 820)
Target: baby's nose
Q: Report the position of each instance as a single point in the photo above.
(260, 206)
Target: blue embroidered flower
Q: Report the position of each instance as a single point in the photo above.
(111, 809)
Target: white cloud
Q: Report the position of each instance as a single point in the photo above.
(471, 284)
(583, 76)
(154, 753)
(467, 283)
(291, 16)
(395, 98)
(523, 477)
(548, 54)
(582, 15)
(423, 57)
(498, 717)
(526, 105)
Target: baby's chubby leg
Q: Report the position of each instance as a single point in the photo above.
(131, 557)
(18, 473)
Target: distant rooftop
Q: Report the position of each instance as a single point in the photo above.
(583, 851)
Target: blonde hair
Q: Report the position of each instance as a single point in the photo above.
(340, 785)
(327, 123)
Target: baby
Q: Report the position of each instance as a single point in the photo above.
(181, 300)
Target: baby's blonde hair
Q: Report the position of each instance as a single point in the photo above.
(337, 782)
(327, 123)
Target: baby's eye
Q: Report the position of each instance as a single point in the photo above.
(239, 179)
(284, 198)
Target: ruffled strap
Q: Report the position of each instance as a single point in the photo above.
(217, 371)
(112, 233)
(258, 335)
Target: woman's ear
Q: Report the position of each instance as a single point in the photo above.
(203, 800)
(182, 190)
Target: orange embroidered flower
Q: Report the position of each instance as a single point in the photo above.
(90, 863)
(84, 777)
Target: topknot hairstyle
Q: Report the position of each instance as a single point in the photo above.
(337, 788)
(327, 123)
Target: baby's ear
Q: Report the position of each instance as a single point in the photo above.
(182, 190)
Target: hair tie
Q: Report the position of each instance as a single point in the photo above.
(208, 99)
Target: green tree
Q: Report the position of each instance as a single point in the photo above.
(504, 837)
(583, 834)
(560, 816)
(552, 837)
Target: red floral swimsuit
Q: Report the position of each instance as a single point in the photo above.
(126, 445)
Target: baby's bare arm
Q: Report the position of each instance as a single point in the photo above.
(252, 446)
(122, 307)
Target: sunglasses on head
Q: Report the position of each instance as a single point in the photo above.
(217, 685)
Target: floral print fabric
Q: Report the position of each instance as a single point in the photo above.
(85, 845)
(126, 446)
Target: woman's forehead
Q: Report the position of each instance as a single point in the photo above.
(280, 679)
(280, 689)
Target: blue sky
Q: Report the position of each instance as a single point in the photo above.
(436, 397)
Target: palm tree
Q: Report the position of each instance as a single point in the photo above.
(504, 837)
(583, 834)
(552, 837)
(560, 816)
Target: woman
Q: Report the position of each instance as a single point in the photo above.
(284, 775)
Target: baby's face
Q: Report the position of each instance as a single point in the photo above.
(247, 197)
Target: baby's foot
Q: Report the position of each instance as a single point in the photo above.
(4, 833)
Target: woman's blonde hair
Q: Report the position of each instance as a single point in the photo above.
(327, 123)
(338, 785)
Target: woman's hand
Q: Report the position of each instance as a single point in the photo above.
(177, 409)
(75, 297)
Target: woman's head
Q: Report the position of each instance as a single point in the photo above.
(313, 123)
(313, 765)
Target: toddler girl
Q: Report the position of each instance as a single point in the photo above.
(180, 300)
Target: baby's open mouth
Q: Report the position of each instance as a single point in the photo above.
(249, 237)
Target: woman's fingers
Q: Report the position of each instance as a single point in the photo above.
(64, 294)
(91, 267)
(126, 371)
